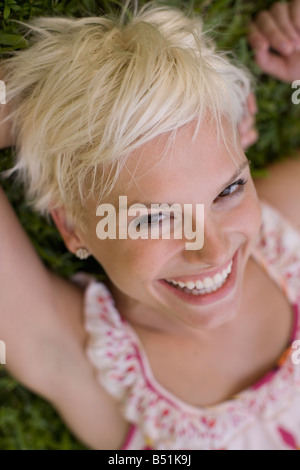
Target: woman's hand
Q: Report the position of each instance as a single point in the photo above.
(247, 129)
(275, 37)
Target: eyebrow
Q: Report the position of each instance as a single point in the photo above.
(233, 178)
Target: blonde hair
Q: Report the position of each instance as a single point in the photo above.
(88, 91)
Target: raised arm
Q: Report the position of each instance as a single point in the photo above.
(275, 37)
(41, 323)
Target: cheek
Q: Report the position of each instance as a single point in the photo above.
(146, 258)
(244, 219)
(131, 261)
(250, 214)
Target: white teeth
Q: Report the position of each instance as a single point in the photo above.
(190, 285)
(229, 268)
(199, 285)
(209, 284)
(217, 278)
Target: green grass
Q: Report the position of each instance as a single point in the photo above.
(27, 421)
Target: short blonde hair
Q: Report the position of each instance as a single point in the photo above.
(88, 91)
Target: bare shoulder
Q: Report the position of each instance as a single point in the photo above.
(85, 406)
(41, 322)
(282, 188)
(30, 305)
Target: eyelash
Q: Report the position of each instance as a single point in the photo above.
(147, 219)
(240, 183)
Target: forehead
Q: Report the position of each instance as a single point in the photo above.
(158, 169)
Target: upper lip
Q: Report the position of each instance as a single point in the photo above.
(203, 275)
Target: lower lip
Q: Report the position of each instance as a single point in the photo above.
(204, 299)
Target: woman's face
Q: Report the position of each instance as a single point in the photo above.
(140, 271)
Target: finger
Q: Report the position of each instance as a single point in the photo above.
(256, 39)
(280, 13)
(276, 38)
(250, 139)
(251, 103)
(246, 125)
(272, 64)
(294, 8)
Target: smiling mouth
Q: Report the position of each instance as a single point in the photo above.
(206, 285)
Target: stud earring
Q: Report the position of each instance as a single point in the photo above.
(82, 253)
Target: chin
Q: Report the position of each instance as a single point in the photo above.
(215, 318)
(214, 315)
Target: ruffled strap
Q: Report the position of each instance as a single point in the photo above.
(278, 250)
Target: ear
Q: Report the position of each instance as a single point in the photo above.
(69, 233)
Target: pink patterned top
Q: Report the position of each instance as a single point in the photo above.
(264, 416)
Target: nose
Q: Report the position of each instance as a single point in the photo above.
(216, 249)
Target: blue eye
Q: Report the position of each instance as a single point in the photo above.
(234, 188)
(150, 219)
